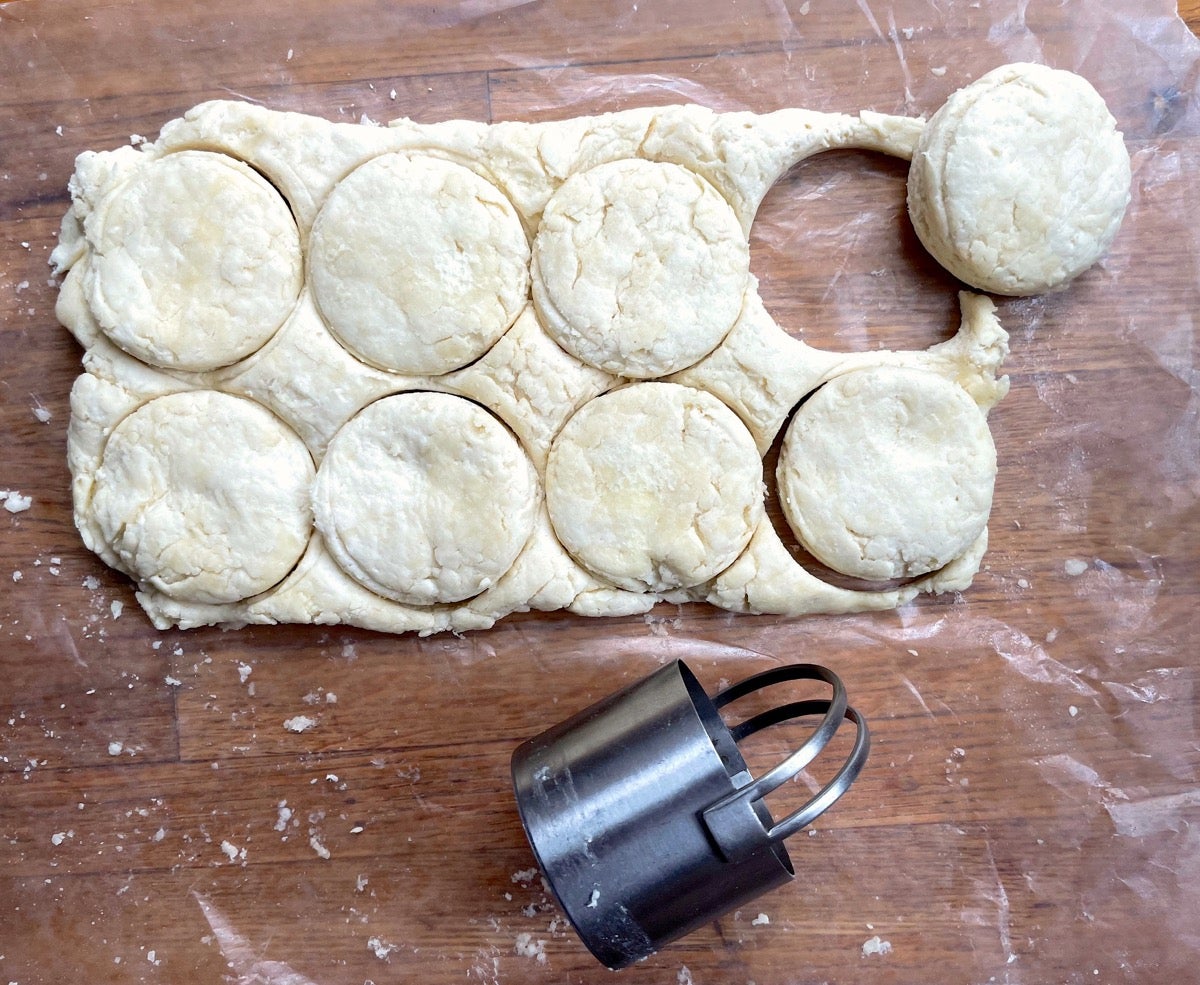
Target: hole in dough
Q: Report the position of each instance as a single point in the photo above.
(425, 498)
(204, 496)
(887, 473)
(838, 263)
(196, 262)
(418, 264)
(639, 267)
(655, 486)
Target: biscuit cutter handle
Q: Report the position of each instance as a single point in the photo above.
(738, 822)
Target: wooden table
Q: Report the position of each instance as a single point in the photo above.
(1029, 812)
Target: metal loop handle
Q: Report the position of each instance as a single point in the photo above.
(733, 822)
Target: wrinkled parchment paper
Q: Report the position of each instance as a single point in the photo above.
(1029, 812)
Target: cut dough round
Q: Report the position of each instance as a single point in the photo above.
(639, 267)
(196, 262)
(419, 265)
(1020, 181)
(887, 473)
(425, 498)
(655, 486)
(204, 496)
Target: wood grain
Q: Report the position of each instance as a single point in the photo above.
(1027, 814)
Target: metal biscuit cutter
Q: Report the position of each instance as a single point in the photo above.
(644, 817)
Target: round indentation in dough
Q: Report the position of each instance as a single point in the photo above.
(1020, 181)
(204, 496)
(196, 262)
(418, 264)
(655, 486)
(425, 498)
(887, 473)
(640, 267)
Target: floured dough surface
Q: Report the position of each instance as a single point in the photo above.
(887, 473)
(434, 425)
(1020, 181)
(202, 496)
(640, 267)
(655, 486)
(418, 264)
(425, 498)
(195, 261)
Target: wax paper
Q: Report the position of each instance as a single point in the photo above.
(310, 804)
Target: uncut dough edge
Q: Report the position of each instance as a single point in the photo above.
(742, 154)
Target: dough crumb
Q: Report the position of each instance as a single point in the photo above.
(14, 502)
(116, 607)
(875, 945)
(300, 723)
(116, 747)
(1074, 567)
(760, 921)
(314, 842)
(381, 948)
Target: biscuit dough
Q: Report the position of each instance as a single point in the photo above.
(655, 486)
(425, 498)
(418, 264)
(195, 261)
(887, 473)
(201, 496)
(495, 428)
(1020, 181)
(639, 267)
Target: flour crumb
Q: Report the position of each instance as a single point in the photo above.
(300, 723)
(1052, 635)
(116, 607)
(1074, 567)
(116, 747)
(380, 948)
(804, 8)
(760, 921)
(289, 54)
(684, 975)
(527, 947)
(360, 884)
(315, 844)
(231, 850)
(172, 681)
(91, 583)
(136, 139)
(153, 958)
(938, 70)
(17, 576)
(392, 94)
(285, 815)
(244, 671)
(41, 412)
(876, 945)
(1022, 583)
(14, 502)
(58, 130)
(525, 876)
(1073, 711)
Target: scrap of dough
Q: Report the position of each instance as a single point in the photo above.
(425, 498)
(203, 496)
(419, 265)
(654, 487)
(639, 267)
(1020, 181)
(195, 261)
(887, 473)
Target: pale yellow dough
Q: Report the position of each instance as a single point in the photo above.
(195, 261)
(639, 268)
(887, 473)
(419, 265)
(202, 496)
(425, 498)
(422, 423)
(655, 486)
(1020, 181)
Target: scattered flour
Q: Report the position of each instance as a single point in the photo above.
(527, 947)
